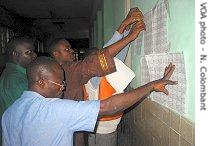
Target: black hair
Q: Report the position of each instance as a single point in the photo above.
(39, 67)
(53, 45)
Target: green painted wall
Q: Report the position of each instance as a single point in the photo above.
(119, 12)
(99, 30)
(95, 34)
(181, 36)
(108, 20)
(113, 15)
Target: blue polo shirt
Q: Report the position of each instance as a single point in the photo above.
(34, 120)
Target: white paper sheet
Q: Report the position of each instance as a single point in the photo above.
(155, 36)
(137, 44)
(144, 75)
(156, 66)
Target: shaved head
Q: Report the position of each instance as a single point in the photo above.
(42, 67)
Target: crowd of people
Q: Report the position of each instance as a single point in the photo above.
(49, 100)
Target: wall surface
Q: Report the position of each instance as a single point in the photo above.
(108, 20)
(150, 124)
(181, 37)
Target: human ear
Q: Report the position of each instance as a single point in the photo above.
(56, 53)
(41, 83)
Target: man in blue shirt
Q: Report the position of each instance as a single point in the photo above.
(40, 118)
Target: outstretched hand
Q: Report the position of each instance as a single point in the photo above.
(159, 85)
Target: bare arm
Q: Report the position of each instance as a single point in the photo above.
(122, 101)
(134, 18)
(134, 32)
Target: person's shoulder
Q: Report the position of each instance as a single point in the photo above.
(69, 64)
(16, 78)
(13, 73)
(73, 66)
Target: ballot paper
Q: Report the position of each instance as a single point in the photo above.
(137, 44)
(144, 73)
(154, 66)
(155, 36)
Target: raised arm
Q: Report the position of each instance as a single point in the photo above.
(122, 31)
(134, 32)
(138, 26)
(122, 101)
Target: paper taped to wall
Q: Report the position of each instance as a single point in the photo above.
(144, 75)
(155, 36)
(153, 67)
(137, 44)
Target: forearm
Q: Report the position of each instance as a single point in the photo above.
(122, 54)
(122, 101)
(116, 37)
(118, 46)
(122, 27)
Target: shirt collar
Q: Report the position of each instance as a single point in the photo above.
(31, 94)
(17, 67)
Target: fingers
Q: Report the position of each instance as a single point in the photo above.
(169, 71)
(135, 19)
(139, 25)
(165, 91)
(136, 29)
(135, 14)
(160, 87)
(169, 82)
(135, 10)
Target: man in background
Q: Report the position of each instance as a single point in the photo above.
(13, 81)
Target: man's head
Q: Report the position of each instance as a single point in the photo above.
(61, 51)
(20, 50)
(46, 77)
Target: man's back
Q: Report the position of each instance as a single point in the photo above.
(35, 120)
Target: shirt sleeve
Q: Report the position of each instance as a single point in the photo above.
(121, 55)
(75, 115)
(98, 64)
(116, 37)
